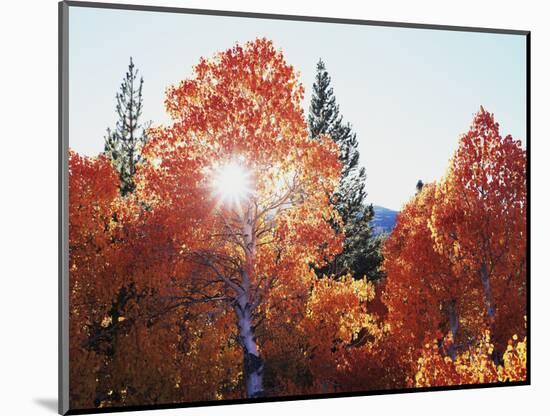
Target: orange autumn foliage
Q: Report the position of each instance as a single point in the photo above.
(93, 191)
(455, 262)
(242, 107)
(479, 223)
(179, 293)
(472, 366)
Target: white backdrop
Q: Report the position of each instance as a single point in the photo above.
(28, 207)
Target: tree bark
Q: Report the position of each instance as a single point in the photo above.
(484, 274)
(487, 291)
(253, 364)
(453, 326)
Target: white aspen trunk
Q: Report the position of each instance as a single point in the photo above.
(253, 364)
(487, 291)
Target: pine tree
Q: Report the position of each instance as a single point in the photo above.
(361, 255)
(419, 186)
(123, 144)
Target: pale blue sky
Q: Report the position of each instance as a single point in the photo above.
(409, 93)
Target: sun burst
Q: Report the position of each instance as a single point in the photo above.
(231, 182)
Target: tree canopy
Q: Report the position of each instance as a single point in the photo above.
(213, 277)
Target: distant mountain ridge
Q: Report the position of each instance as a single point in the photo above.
(383, 220)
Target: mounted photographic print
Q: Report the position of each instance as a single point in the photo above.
(263, 207)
